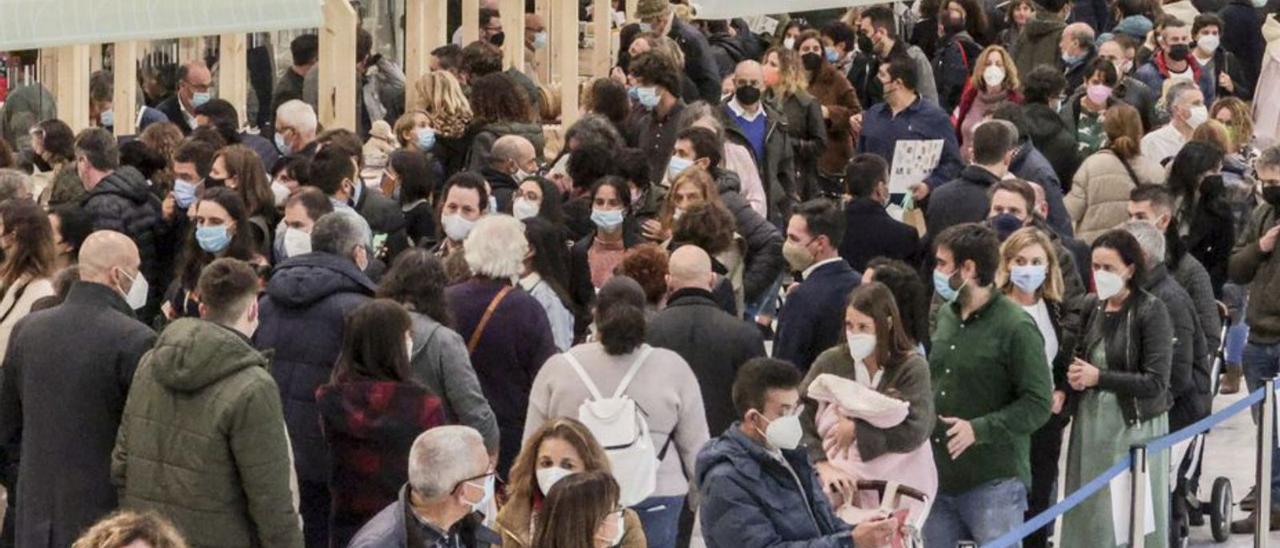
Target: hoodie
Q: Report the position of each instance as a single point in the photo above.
(202, 440)
(302, 319)
(1038, 44)
(751, 498)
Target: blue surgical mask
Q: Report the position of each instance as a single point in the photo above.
(832, 55)
(493, 204)
(1071, 60)
(648, 97)
(645, 27)
(607, 220)
(282, 146)
(426, 138)
(540, 40)
(633, 93)
(676, 166)
(213, 239)
(184, 193)
(1028, 278)
(942, 286)
(199, 99)
(107, 118)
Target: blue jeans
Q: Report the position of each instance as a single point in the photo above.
(982, 514)
(660, 517)
(1261, 362)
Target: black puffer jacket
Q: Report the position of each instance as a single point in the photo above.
(1054, 140)
(1138, 340)
(764, 260)
(123, 202)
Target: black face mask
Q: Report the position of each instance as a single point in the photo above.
(812, 61)
(1272, 195)
(865, 45)
(212, 182)
(1211, 182)
(498, 39)
(1179, 52)
(747, 95)
(952, 24)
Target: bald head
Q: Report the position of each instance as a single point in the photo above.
(748, 70)
(1076, 39)
(512, 153)
(109, 258)
(690, 268)
(194, 79)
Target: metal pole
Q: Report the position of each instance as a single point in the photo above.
(1266, 431)
(1138, 496)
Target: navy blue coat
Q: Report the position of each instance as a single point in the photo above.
(301, 318)
(750, 500)
(1245, 40)
(881, 131)
(812, 318)
(1029, 164)
(870, 232)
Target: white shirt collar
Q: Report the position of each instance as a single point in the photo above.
(805, 275)
(864, 377)
(742, 113)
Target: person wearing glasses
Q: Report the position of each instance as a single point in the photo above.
(450, 480)
(194, 83)
(583, 511)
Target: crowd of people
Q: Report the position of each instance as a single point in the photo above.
(708, 312)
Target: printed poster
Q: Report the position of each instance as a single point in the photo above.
(913, 161)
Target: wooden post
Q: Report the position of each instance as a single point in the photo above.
(46, 70)
(566, 25)
(233, 72)
(631, 10)
(415, 48)
(73, 86)
(470, 21)
(338, 66)
(601, 27)
(125, 88)
(543, 56)
(95, 58)
(190, 49)
(513, 33)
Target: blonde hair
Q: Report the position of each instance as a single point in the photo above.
(1052, 289)
(1011, 81)
(692, 175)
(124, 528)
(1216, 133)
(791, 76)
(1241, 124)
(549, 108)
(405, 123)
(440, 96)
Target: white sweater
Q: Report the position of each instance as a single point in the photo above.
(14, 311)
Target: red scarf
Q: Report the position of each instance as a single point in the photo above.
(1163, 67)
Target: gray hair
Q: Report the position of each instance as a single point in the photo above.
(1082, 34)
(299, 116)
(14, 184)
(340, 233)
(441, 457)
(98, 147)
(1176, 92)
(1269, 158)
(701, 114)
(496, 247)
(1149, 238)
(592, 129)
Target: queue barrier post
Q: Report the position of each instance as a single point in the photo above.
(1266, 432)
(1138, 485)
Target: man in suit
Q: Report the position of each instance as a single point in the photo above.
(67, 374)
(812, 318)
(869, 230)
(194, 82)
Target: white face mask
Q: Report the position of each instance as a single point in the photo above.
(523, 208)
(617, 535)
(861, 345)
(993, 75)
(296, 242)
(548, 477)
(784, 432)
(456, 227)
(1108, 284)
(280, 192)
(136, 297)
(1198, 115)
(1208, 43)
(488, 495)
(408, 347)
(789, 42)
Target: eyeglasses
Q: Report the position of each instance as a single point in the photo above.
(481, 476)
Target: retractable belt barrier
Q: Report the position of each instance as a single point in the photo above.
(1012, 538)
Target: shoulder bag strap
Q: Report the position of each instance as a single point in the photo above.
(484, 320)
(1129, 169)
(582, 374)
(17, 296)
(631, 373)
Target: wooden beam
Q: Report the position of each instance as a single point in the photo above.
(470, 21)
(631, 10)
(73, 86)
(125, 88)
(415, 48)
(513, 33)
(601, 27)
(565, 24)
(543, 56)
(338, 66)
(233, 73)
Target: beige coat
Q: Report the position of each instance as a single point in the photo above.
(515, 524)
(14, 308)
(1099, 197)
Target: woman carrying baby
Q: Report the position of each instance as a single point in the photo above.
(869, 408)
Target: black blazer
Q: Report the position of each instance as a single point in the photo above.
(173, 110)
(870, 232)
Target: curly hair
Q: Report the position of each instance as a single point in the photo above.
(708, 225)
(1240, 126)
(657, 70)
(497, 98)
(417, 280)
(125, 527)
(440, 96)
(647, 265)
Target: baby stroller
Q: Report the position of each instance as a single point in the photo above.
(1219, 508)
(908, 504)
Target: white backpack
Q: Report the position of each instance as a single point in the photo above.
(620, 427)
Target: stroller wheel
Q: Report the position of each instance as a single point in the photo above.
(1220, 510)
